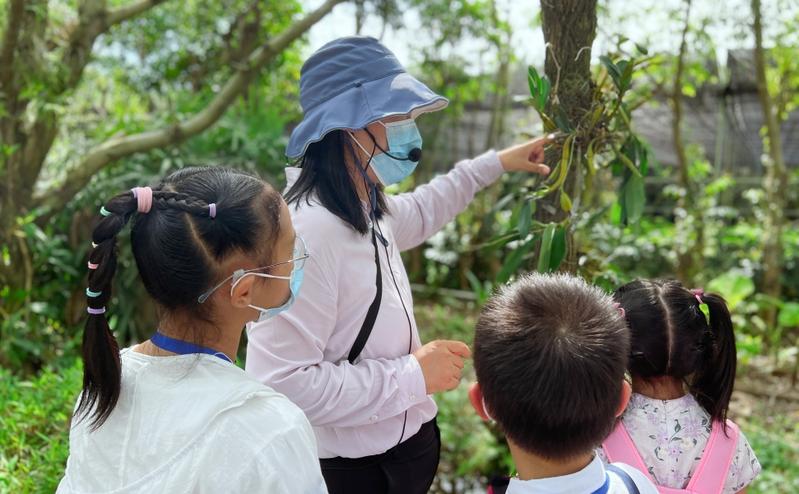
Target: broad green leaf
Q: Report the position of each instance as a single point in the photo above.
(616, 215)
(525, 219)
(789, 315)
(613, 70)
(634, 198)
(545, 253)
(543, 93)
(733, 286)
(558, 251)
(513, 261)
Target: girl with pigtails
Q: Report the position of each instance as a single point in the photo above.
(682, 362)
(215, 248)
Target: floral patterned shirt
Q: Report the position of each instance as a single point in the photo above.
(671, 435)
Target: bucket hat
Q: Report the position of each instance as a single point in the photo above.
(351, 82)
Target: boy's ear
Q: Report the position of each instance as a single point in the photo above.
(626, 391)
(476, 399)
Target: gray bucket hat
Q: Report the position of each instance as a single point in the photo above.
(351, 82)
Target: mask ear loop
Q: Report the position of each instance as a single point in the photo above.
(485, 409)
(370, 185)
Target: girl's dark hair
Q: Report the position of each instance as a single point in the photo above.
(326, 177)
(671, 336)
(178, 248)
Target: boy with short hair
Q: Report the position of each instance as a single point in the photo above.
(550, 353)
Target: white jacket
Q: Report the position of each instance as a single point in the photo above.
(193, 424)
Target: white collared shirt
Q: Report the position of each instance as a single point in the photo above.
(190, 424)
(586, 481)
(359, 409)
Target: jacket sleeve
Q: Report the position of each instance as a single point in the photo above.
(417, 215)
(287, 353)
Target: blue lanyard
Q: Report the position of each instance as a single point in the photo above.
(181, 347)
(605, 486)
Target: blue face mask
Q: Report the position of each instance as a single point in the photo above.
(393, 165)
(295, 281)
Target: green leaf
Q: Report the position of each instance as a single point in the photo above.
(616, 214)
(543, 93)
(565, 201)
(613, 70)
(525, 219)
(562, 120)
(706, 311)
(563, 166)
(634, 198)
(626, 68)
(558, 251)
(513, 261)
(539, 88)
(733, 286)
(545, 253)
(641, 49)
(789, 315)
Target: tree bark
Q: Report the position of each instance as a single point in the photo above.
(569, 31)
(775, 179)
(687, 215)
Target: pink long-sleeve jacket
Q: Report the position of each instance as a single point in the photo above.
(359, 409)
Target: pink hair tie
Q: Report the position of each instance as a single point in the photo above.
(144, 198)
(95, 312)
(698, 293)
(212, 210)
(91, 265)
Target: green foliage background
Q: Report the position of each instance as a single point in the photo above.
(168, 64)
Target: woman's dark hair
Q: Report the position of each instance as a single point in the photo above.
(671, 336)
(325, 176)
(178, 248)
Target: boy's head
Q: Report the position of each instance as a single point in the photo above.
(550, 352)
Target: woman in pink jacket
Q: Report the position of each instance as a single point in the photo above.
(348, 352)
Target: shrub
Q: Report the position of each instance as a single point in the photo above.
(34, 428)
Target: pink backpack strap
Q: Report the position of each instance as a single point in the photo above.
(711, 474)
(620, 448)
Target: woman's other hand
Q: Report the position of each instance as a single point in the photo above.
(442, 362)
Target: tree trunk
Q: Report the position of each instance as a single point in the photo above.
(687, 215)
(569, 30)
(775, 179)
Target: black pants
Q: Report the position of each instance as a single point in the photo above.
(408, 468)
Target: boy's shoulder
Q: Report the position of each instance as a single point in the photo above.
(625, 479)
(619, 479)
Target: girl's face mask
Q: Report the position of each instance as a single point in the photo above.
(398, 161)
(295, 280)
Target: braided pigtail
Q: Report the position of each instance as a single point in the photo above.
(101, 366)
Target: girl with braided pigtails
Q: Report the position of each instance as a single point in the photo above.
(215, 249)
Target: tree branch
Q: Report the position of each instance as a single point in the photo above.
(121, 14)
(94, 19)
(15, 10)
(121, 146)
